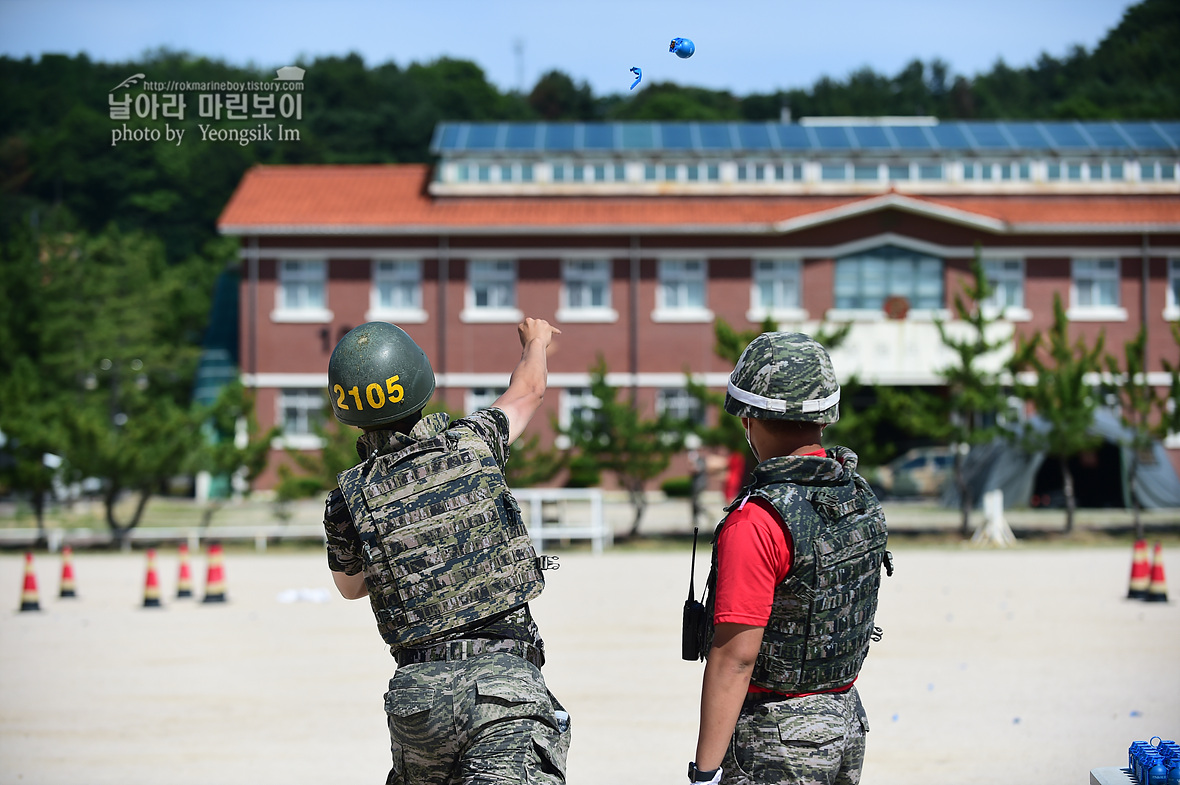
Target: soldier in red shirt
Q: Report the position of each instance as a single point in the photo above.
(792, 591)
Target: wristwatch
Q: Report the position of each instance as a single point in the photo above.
(696, 775)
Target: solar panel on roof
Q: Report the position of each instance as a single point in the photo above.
(638, 136)
(714, 136)
(677, 136)
(910, 137)
(793, 137)
(482, 136)
(559, 136)
(871, 137)
(950, 137)
(599, 136)
(1143, 135)
(1027, 136)
(1106, 135)
(1172, 133)
(832, 137)
(753, 136)
(521, 136)
(1065, 135)
(985, 136)
(449, 136)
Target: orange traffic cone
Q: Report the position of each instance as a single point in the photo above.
(67, 573)
(1140, 572)
(215, 577)
(184, 583)
(151, 585)
(29, 600)
(1157, 590)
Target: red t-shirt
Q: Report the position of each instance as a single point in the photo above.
(753, 556)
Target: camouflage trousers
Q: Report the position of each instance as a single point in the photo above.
(813, 740)
(481, 721)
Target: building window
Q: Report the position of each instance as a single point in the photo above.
(1172, 308)
(680, 296)
(397, 285)
(302, 291)
(526, 173)
(478, 398)
(899, 171)
(865, 172)
(585, 292)
(559, 173)
(1095, 283)
(491, 291)
(578, 407)
(776, 290)
(1095, 291)
(301, 412)
(833, 172)
(930, 172)
(1054, 171)
(680, 405)
(620, 173)
(713, 172)
(865, 280)
(1006, 277)
(649, 172)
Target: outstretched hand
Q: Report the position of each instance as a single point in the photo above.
(536, 329)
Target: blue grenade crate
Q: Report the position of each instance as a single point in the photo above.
(1155, 764)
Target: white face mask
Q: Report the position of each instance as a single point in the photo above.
(749, 441)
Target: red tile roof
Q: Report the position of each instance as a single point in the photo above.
(394, 198)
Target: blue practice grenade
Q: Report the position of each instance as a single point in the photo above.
(683, 47)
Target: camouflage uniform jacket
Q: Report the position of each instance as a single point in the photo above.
(429, 519)
(821, 619)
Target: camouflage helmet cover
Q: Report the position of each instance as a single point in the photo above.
(784, 376)
(378, 375)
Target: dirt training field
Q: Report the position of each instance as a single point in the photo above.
(1015, 666)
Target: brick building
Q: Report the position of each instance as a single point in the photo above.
(635, 237)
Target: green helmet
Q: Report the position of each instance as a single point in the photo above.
(378, 375)
(784, 376)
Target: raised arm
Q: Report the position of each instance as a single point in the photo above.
(526, 388)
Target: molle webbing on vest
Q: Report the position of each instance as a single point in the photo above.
(443, 540)
(821, 619)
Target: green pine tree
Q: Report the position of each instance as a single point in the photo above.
(1061, 395)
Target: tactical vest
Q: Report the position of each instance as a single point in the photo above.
(444, 545)
(821, 620)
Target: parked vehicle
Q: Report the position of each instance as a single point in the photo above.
(921, 471)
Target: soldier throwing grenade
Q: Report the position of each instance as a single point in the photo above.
(426, 527)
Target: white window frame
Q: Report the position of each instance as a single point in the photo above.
(477, 398)
(998, 272)
(677, 273)
(784, 271)
(1172, 303)
(308, 273)
(572, 399)
(873, 314)
(682, 400)
(1088, 269)
(576, 271)
(490, 272)
(403, 272)
(304, 400)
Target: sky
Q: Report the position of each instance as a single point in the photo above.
(756, 46)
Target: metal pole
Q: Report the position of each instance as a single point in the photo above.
(443, 279)
(634, 319)
(252, 307)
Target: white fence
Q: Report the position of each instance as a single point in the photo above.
(555, 514)
(551, 514)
